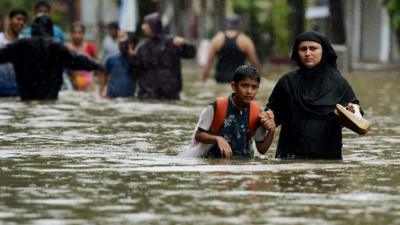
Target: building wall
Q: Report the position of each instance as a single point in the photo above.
(369, 36)
(375, 32)
(95, 15)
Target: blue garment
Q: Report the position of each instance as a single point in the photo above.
(235, 131)
(8, 83)
(57, 33)
(121, 82)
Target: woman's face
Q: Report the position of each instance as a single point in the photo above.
(77, 35)
(310, 53)
(146, 30)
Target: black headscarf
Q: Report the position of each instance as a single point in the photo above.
(319, 89)
(42, 26)
(154, 21)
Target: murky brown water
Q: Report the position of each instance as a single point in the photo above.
(86, 160)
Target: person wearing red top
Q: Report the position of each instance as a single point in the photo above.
(81, 80)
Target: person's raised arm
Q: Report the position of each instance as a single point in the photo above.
(212, 52)
(75, 61)
(251, 53)
(103, 80)
(186, 50)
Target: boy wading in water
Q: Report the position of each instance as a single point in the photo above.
(229, 124)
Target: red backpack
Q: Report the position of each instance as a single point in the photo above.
(221, 109)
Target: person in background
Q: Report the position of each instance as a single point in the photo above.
(44, 8)
(110, 42)
(118, 78)
(39, 62)
(81, 80)
(231, 47)
(303, 102)
(158, 61)
(229, 124)
(17, 20)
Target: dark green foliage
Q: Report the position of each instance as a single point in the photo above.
(393, 7)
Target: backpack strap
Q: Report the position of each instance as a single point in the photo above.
(220, 111)
(254, 117)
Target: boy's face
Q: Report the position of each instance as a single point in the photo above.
(113, 32)
(17, 23)
(245, 91)
(42, 10)
(126, 48)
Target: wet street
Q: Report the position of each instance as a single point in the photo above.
(87, 160)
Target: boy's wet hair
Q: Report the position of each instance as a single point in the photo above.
(16, 12)
(245, 71)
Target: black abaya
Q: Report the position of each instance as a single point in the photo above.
(303, 102)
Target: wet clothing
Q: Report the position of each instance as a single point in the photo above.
(158, 63)
(159, 67)
(8, 82)
(83, 79)
(121, 82)
(229, 58)
(39, 64)
(303, 102)
(110, 47)
(234, 130)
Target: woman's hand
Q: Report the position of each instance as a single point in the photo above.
(351, 107)
(268, 120)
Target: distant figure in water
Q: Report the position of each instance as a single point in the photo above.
(39, 62)
(303, 102)
(17, 20)
(158, 61)
(119, 79)
(227, 127)
(231, 48)
(82, 80)
(110, 42)
(44, 8)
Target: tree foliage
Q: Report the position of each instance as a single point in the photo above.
(267, 26)
(7, 5)
(393, 7)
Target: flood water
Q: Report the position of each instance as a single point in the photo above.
(86, 160)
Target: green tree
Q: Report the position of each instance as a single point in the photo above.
(249, 11)
(393, 7)
(7, 5)
(276, 25)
